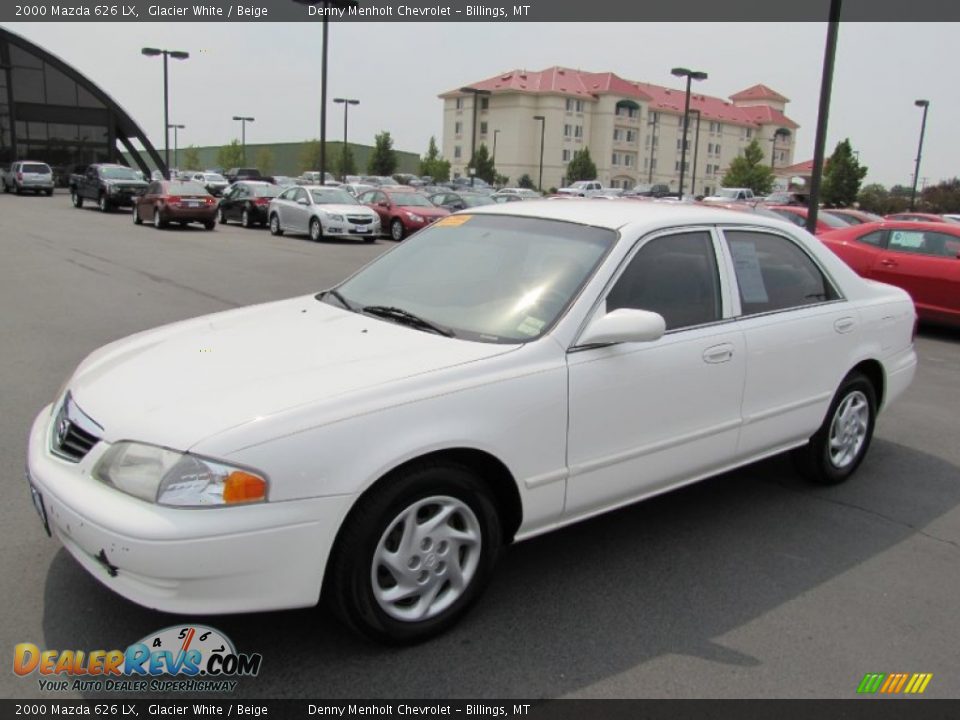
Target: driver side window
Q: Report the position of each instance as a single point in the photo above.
(674, 275)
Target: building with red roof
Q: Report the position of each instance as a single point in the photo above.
(632, 129)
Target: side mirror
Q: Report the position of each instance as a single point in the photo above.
(624, 325)
(302, 201)
(383, 204)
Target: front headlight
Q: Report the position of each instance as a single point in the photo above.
(111, 188)
(334, 218)
(415, 217)
(168, 477)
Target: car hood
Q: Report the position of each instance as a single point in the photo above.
(180, 384)
(424, 211)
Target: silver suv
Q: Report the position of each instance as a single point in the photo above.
(28, 175)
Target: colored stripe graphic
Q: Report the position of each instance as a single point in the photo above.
(894, 683)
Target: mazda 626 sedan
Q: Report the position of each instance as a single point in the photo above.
(501, 374)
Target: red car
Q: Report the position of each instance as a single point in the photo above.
(402, 211)
(918, 217)
(167, 201)
(922, 258)
(798, 216)
(855, 217)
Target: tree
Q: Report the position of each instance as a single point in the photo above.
(191, 158)
(265, 161)
(346, 164)
(944, 197)
(842, 176)
(433, 165)
(581, 167)
(383, 160)
(483, 164)
(309, 157)
(230, 156)
(876, 199)
(526, 181)
(750, 171)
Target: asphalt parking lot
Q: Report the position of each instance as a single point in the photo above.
(751, 584)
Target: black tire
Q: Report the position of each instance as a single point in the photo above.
(159, 221)
(397, 231)
(103, 203)
(222, 216)
(137, 220)
(369, 240)
(6, 188)
(349, 583)
(49, 193)
(815, 460)
(316, 230)
(76, 199)
(245, 219)
(275, 228)
(209, 224)
(17, 189)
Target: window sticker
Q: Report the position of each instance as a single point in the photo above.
(453, 220)
(907, 239)
(530, 326)
(749, 275)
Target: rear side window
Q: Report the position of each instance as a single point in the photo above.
(774, 273)
(674, 275)
(875, 238)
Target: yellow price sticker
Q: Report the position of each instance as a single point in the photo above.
(453, 220)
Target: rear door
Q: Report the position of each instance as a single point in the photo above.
(925, 264)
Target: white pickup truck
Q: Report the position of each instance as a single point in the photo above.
(731, 195)
(581, 188)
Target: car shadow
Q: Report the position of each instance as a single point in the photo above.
(567, 609)
(946, 333)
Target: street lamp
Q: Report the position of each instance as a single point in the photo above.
(495, 133)
(176, 55)
(243, 133)
(543, 126)
(176, 145)
(696, 150)
(325, 6)
(346, 102)
(780, 132)
(925, 104)
(473, 128)
(823, 114)
(690, 75)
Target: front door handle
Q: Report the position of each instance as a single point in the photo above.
(718, 353)
(888, 263)
(844, 325)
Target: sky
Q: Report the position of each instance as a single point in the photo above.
(271, 71)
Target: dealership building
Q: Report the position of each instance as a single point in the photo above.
(52, 113)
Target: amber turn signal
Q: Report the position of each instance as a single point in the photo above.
(242, 487)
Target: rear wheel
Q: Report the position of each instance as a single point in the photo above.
(222, 216)
(415, 553)
(76, 199)
(246, 219)
(397, 230)
(209, 224)
(316, 230)
(49, 192)
(137, 220)
(275, 228)
(839, 446)
(18, 189)
(159, 221)
(6, 188)
(103, 203)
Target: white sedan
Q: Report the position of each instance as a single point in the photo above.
(499, 375)
(321, 211)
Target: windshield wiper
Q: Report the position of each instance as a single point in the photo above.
(340, 298)
(406, 318)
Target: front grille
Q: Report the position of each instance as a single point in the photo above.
(69, 440)
(360, 219)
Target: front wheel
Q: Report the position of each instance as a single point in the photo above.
(103, 203)
(397, 230)
(246, 219)
(222, 216)
(415, 553)
(137, 220)
(76, 199)
(316, 230)
(275, 228)
(49, 193)
(839, 446)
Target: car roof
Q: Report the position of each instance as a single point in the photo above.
(616, 214)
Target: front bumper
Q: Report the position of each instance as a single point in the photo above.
(267, 556)
(347, 229)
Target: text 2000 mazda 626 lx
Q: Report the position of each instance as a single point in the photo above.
(496, 376)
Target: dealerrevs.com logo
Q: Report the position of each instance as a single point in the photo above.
(198, 658)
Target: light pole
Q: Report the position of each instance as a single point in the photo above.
(176, 145)
(690, 75)
(654, 125)
(243, 133)
(925, 104)
(176, 55)
(780, 132)
(473, 128)
(346, 102)
(823, 114)
(696, 150)
(543, 126)
(325, 6)
(495, 133)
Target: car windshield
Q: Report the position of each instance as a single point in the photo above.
(186, 188)
(477, 200)
(728, 193)
(486, 278)
(333, 197)
(267, 191)
(410, 200)
(831, 220)
(214, 177)
(118, 173)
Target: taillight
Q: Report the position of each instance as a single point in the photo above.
(261, 201)
(19, 176)
(173, 199)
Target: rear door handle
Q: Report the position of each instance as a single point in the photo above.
(844, 324)
(718, 353)
(888, 263)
